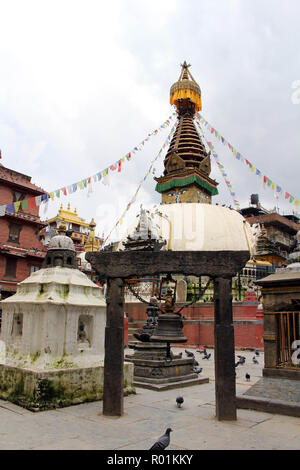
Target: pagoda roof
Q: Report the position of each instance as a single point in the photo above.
(19, 180)
(69, 216)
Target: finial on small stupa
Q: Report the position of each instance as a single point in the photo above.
(62, 228)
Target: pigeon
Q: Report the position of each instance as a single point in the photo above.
(242, 359)
(257, 352)
(162, 442)
(207, 356)
(247, 376)
(189, 353)
(196, 363)
(179, 401)
(255, 360)
(197, 370)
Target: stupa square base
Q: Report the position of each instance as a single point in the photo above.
(38, 390)
(155, 370)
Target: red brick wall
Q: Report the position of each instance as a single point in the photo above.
(27, 240)
(199, 324)
(6, 197)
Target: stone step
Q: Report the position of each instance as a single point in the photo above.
(169, 386)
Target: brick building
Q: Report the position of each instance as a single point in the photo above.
(21, 252)
(277, 233)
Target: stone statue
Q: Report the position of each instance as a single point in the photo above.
(170, 301)
(82, 336)
(152, 312)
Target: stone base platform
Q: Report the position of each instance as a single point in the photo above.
(151, 385)
(272, 395)
(39, 390)
(155, 370)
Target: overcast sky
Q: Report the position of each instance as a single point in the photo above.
(83, 82)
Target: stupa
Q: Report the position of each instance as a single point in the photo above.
(187, 236)
(185, 221)
(187, 164)
(53, 331)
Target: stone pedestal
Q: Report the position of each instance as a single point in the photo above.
(153, 369)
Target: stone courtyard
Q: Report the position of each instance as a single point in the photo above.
(146, 416)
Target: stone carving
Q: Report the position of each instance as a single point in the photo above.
(181, 291)
(152, 315)
(156, 372)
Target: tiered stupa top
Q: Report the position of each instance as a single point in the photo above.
(187, 164)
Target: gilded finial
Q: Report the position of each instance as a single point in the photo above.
(62, 227)
(186, 93)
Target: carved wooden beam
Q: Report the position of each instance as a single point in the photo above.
(139, 263)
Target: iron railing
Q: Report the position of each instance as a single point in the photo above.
(288, 327)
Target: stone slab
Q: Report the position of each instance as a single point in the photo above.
(272, 395)
(169, 385)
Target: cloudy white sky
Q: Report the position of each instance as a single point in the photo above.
(82, 83)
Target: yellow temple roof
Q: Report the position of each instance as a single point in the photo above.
(68, 216)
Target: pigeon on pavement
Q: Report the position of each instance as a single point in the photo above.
(179, 401)
(189, 353)
(247, 377)
(206, 356)
(255, 361)
(197, 369)
(257, 352)
(162, 442)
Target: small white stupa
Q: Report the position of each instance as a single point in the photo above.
(53, 332)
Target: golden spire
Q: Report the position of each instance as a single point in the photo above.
(91, 244)
(186, 90)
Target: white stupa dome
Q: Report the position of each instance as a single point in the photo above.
(195, 227)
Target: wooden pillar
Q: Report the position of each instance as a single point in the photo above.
(224, 350)
(114, 349)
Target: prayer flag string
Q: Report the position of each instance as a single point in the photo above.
(103, 175)
(267, 182)
(221, 168)
(120, 220)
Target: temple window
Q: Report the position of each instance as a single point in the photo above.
(17, 196)
(11, 267)
(34, 268)
(14, 233)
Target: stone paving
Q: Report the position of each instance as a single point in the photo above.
(146, 416)
(285, 390)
